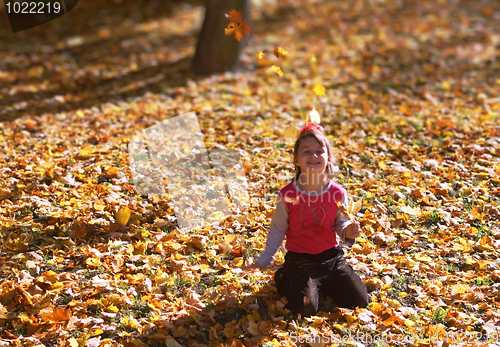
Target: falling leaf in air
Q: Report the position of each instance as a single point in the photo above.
(313, 116)
(236, 25)
(277, 69)
(280, 52)
(291, 200)
(291, 132)
(319, 90)
(260, 55)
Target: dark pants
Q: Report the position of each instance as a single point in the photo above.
(304, 276)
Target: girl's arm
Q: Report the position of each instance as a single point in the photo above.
(277, 231)
(341, 222)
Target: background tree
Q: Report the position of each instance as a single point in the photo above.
(216, 52)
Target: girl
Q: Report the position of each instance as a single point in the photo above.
(306, 212)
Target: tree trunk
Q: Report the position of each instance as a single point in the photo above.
(216, 52)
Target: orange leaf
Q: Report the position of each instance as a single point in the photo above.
(238, 252)
(112, 171)
(56, 315)
(60, 314)
(237, 25)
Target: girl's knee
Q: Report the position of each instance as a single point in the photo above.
(361, 301)
(360, 297)
(364, 301)
(355, 300)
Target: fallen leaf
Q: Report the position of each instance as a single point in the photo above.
(123, 215)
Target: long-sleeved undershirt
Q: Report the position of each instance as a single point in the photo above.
(279, 227)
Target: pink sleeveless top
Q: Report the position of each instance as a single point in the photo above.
(311, 219)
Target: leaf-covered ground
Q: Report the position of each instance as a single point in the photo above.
(412, 111)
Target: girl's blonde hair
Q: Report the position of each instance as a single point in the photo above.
(330, 170)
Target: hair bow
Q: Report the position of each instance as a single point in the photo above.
(311, 126)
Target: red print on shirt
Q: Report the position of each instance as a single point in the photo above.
(312, 219)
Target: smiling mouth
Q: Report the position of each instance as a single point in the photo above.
(313, 163)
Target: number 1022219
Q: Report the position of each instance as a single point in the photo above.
(33, 7)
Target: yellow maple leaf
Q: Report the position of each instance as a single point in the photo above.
(344, 210)
(99, 206)
(97, 332)
(280, 52)
(277, 69)
(423, 257)
(131, 322)
(260, 55)
(354, 207)
(237, 25)
(238, 261)
(350, 211)
(50, 276)
(319, 90)
(112, 308)
(140, 248)
(93, 262)
(23, 317)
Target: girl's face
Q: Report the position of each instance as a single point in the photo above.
(311, 156)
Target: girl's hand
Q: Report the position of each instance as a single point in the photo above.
(353, 230)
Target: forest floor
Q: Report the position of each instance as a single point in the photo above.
(411, 108)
